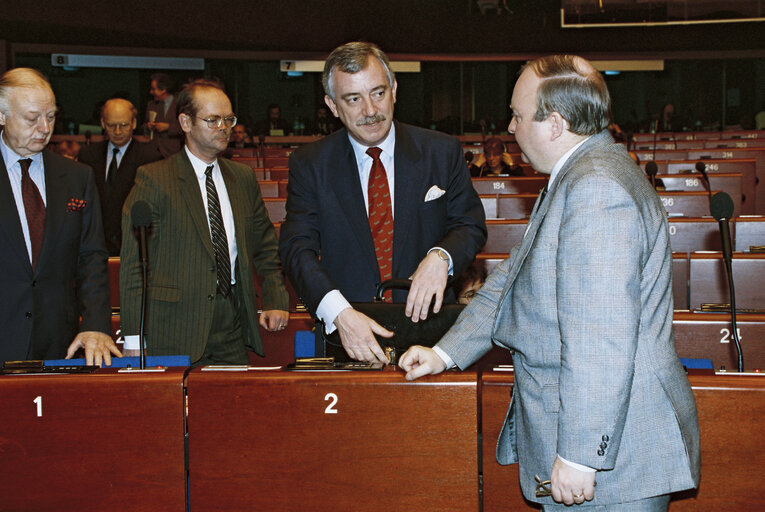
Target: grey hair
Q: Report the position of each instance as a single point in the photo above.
(352, 58)
(20, 77)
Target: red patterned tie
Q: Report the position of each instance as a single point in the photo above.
(34, 208)
(381, 217)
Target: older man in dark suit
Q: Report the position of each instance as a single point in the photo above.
(338, 241)
(52, 254)
(209, 227)
(114, 162)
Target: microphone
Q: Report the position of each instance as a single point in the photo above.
(702, 168)
(651, 169)
(140, 214)
(721, 208)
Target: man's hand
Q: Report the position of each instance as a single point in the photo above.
(357, 332)
(274, 319)
(507, 159)
(161, 127)
(479, 160)
(428, 283)
(98, 347)
(569, 485)
(419, 361)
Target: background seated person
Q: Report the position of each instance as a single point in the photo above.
(494, 161)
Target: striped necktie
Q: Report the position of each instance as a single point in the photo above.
(219, 240)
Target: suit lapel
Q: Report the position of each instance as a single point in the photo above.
(238, 203)
(189, 189)
(56, 191)
(408, 188)
(343, 174)
(9, 218)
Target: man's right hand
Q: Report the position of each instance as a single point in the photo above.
(420, 361)
(357, 332)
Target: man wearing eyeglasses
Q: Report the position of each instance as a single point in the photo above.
(114, 162)
(209, 226)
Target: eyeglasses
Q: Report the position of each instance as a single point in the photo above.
(218, 121)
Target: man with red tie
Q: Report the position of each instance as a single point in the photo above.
(53, 269)
(376, 200)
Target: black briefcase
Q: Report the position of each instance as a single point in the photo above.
(392, 316)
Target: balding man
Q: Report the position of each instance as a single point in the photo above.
(114, 162)
(585, 301)
(52, 254)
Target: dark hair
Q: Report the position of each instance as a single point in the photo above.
(185, 103)
(164, 81)
(574, 89)
(493, 146)
(352, 58)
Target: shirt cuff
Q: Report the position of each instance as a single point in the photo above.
(451, 263)
(329, 307)
(132, 342)
(444, 357)
(586, 469)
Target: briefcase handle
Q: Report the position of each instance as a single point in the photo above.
(399, 284)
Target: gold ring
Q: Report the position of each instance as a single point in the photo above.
(577, 496)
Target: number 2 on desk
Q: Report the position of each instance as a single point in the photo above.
(38, 401)
(333, 402)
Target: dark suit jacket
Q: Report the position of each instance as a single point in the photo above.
(327, 217)
(94, 155)
(171, 141)
(40, 309)
(182, 272)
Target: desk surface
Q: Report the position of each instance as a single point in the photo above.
(731, 408)
(101, 441)
(332, 441)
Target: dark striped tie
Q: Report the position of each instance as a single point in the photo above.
(34, 207)
(219, 240)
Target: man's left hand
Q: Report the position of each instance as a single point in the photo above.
(274, 320)
(569, 485)
(98, 347)
(428, 284)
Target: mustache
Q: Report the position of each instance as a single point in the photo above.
(370, 120)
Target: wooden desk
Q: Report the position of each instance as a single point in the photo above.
(730, 408)
(102, 441)
(357, 441)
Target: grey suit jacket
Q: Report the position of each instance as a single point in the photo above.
(585, 301)
(182, 272)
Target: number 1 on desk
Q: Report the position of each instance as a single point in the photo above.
(38, 401)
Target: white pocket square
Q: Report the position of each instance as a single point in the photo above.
(434, 193)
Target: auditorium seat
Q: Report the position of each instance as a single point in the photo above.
(680, 273)
(278, 173)
(729, 183)
(695, 234)
(504, 234)
(750, 230)
(275, 161)
(509, 185)
(269, 188)
(276, 207)
(735, 143)
(114, 283)
(708, 335)
(278, 152)
(708, 282)
(689, 204)
(662, 154)
(240, 152)
(758, 155)
(250, 161)
(717, 167)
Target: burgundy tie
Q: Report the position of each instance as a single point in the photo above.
(381, 217)
(34, 208)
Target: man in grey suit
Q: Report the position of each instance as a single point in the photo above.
(585, 303)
